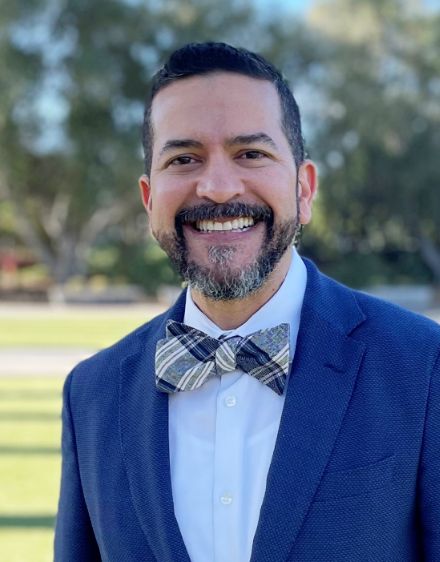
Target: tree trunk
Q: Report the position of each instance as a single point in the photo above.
(431, 256)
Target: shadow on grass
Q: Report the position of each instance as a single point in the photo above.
(27, 521)
(30, 416)
(6, 450)
(37, 394)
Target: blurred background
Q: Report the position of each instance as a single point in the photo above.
(78, 268)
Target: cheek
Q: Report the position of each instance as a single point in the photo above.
(172, 193)
(282, 202)
(163, 195)
(168, 198)
(278, 190)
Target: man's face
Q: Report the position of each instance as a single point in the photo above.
(222, 193)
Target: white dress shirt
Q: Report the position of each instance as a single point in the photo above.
(222, 438)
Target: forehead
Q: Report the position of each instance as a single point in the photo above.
(215, 105)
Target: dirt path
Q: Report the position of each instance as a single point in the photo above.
(40, 362)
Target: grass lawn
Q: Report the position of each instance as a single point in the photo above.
(30, 419)
(86, 331)
(29, 466)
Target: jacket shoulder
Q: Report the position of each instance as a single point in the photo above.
(398, 339)
(369, 318)
(401, 321)
(351, 310)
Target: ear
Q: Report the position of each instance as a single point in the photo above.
(144, 186)
(308, 188)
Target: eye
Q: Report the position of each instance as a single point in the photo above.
(252, 155)
(182, 161)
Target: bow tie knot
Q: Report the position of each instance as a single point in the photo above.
(226, 355)
(187, 357)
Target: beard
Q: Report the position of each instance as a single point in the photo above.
(220, 281)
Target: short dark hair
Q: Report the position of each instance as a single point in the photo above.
(204, 58)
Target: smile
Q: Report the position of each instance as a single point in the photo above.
(235, 225)
(233, 218)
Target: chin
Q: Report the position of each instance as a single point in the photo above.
(227, 283)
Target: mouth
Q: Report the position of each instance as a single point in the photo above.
(229, 224)
(235, 218)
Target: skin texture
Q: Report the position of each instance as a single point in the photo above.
(218, 140)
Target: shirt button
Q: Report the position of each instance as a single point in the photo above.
(230, 401)
(226, 499)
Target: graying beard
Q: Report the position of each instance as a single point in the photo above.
(230, 284)
(220, 255)
(234, 284)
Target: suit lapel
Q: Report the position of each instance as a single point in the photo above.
(323, 375)
(145, 447)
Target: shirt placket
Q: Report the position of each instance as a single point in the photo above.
(226, 490)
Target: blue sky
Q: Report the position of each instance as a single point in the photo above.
(301, 6)
(298, 6)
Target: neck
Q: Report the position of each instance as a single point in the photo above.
(229, 315)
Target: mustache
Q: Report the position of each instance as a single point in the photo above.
(222, 210)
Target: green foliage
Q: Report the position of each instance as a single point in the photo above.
(141, 263)
(379, 137)
(72, 105)
(7, 226)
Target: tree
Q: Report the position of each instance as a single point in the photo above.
(377, 137)
(72, 95)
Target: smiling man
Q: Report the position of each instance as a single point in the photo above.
(271, 414)
(224, 193)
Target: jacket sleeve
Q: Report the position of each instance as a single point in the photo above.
(74, 537)
(429, 476)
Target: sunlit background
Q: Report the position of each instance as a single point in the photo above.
(78, 268)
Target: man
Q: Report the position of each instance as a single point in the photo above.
(288, 417)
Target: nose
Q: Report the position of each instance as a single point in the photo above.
(220, 182)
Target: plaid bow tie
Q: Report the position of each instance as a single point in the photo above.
(188, 357)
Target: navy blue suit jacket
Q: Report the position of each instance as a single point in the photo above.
(355, 474)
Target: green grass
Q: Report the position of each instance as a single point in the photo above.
(30, 424)
(64, 330)
(26, 545)
(29, 466)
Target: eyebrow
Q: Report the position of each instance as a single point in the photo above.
(180, 143)
(252, 138)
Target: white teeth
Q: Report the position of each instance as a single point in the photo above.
(240, 223)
